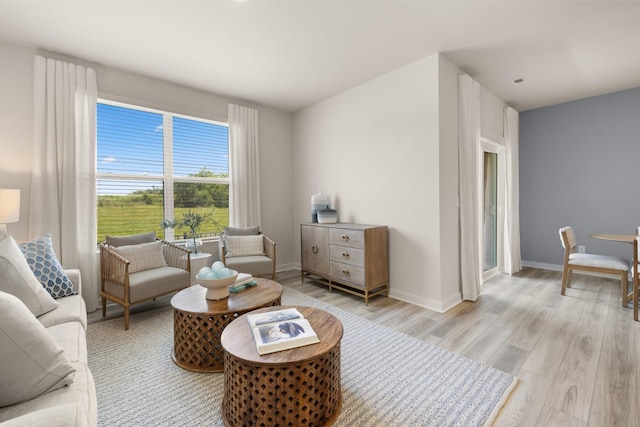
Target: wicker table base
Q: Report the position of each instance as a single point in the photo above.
(294, 387)
(198, 323)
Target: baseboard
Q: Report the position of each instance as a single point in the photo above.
(285, 267)
(542, 265)
(437, 306)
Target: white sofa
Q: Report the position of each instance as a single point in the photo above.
(74, 404)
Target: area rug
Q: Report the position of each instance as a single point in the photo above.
(388, 378)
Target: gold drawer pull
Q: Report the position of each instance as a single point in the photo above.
(346, 272)
(314, 249)
(345, 237)
(345, 255)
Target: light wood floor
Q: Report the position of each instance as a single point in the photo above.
(577, 357)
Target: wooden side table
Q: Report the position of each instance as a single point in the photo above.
(300, 386)
(198, 322)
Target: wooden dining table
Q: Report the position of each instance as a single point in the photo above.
(626, 238)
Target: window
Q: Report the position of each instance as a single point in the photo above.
(154, 166)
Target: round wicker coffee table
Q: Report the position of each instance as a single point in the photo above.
(198, 322)
(300, 386)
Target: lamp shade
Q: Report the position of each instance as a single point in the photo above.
(9, 205)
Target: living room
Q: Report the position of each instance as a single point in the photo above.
(371, 147)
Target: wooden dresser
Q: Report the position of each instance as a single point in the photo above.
(351, 257)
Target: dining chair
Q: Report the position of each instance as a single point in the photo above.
(574, 260)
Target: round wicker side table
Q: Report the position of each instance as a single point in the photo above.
(198, 322)
(300, 386)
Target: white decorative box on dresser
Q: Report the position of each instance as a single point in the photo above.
(351, 257)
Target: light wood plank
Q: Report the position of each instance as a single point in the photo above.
(616, 397)
(551, 417)
(526, 402)
(546, 356)
(573, 385)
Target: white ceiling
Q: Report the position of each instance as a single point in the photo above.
(291, 54)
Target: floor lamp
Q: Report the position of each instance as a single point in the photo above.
(9, 209)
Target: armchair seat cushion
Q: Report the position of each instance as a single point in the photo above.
(256, 264)
(598, 261)
(151, 283)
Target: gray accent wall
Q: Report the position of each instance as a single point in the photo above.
(579, 166)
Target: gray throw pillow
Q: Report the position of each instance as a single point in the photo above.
(242, 231)
(134, 239)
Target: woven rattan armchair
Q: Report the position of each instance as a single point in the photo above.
(257, 257)
(132, 274)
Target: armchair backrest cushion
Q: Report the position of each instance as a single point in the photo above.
(133, 239)
(242, 231)
(245, 246)
(144, 256)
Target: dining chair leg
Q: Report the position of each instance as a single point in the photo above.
(565, 277)
(636, 291)
(625, 288)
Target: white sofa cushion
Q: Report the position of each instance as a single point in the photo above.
(81, 392)
(71, 309)
(32, 362)
(144, 256)
(71, 337)
(55, 416)
(16, 278)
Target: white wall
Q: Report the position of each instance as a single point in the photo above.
(16, 134)
(376, 149)
(492, 115)
(449, 202)
(16, 127)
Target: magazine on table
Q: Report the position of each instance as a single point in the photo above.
(281, 330)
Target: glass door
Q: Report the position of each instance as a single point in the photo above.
(490, 211)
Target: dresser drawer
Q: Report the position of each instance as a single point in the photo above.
(349, 273)
(345, 237)
(347, 255)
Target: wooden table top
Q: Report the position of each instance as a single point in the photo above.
(237, 339)
(192, 299)
(626, 238)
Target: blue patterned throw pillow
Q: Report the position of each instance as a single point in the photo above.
(46, 267)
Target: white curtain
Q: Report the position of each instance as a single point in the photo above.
(512, 259)
(63, 183)
(469, 167)
(244, 170)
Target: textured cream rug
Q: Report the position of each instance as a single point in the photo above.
(388, 378)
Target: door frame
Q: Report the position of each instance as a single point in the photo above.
(489, 145)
